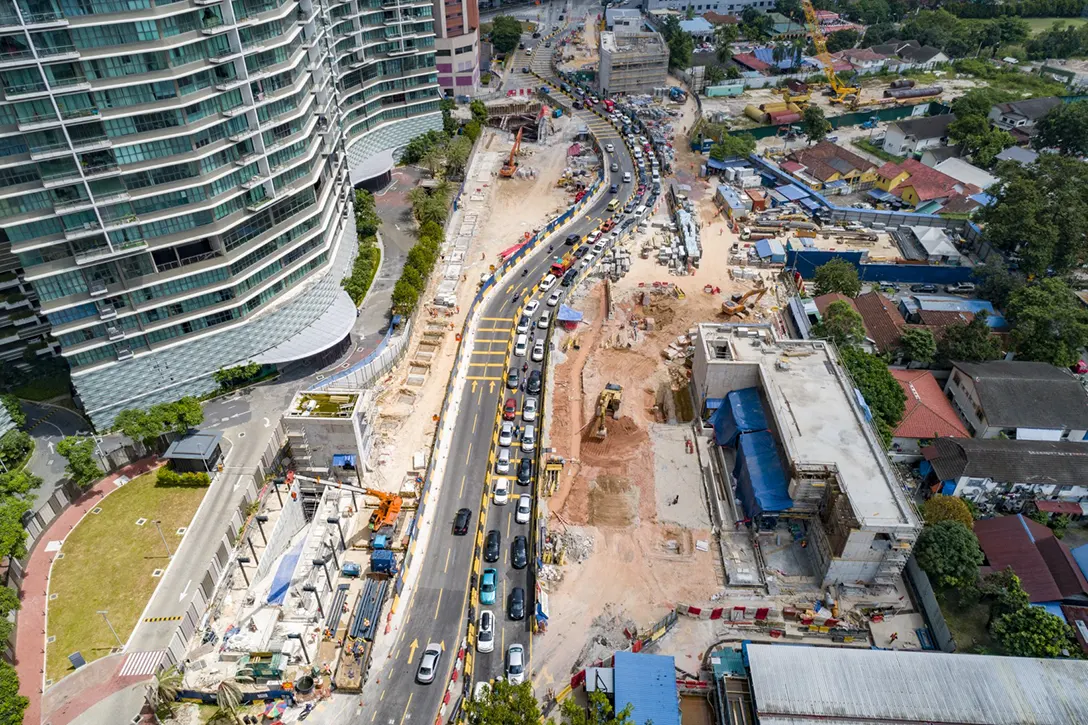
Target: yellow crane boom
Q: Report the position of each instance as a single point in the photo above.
(841, 91)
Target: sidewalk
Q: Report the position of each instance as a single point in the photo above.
(30, 625)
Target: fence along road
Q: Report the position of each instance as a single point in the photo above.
(438, 607)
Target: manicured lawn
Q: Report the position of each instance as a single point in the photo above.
(107, 564)
(866, 145)
(1038, 25)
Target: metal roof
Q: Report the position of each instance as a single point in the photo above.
(196, 447)
(648, 684)
(800, 685)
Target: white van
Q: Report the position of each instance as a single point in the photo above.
(626, 177)
(502, 464)
(640, 211)
(521, 346)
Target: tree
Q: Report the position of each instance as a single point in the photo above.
(1034, 632)
(1048, 323)
(367, 220)
(841, 324)
(12, 533)
(947, 508)
(12, 704)
(756, 25)
(473, 129)
(15, 446)
(1013, 31)
(599, 712)
(18, 483)
(871, 12)
(238, 375)
(228, 696)
(724, 37)
(1065, 128)
(972, 342)
(681, 45)
(886, 400)
(979, 101)
(14, 409)
(505, 33)
(9, 602)
(842, 40)
(82, 468)
(404, 296)
(838, 275)
(457, 153)
(918, 345)
(137, 425)
(996, 282)
(879, 33)
(504, 704)
(740, 146)
(978, 138)
(479, 111)
(714, 75)
(165, 689)
(1004, 593)
(434, 158)
(791, 9)
(416, 147)
(949, 553)
(814, 124)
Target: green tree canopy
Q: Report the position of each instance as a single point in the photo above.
(15, 446)
(918, 345)
(457, 153)
(740, 146)
(504, 704)
(681, 45)
(81, 467)
(1048, 322)
(838, 275)
(12, 704)
(12, 533)
(505, 33)
(724, 37)
(478, 110)
(949, 553)
(978, 102)
(878, 386)
(9, 602)
(599, 712)
(1065, 128)
(978, 139)
(841, 324)
(842, 40)
(971, 342)
(1034, 632)
(1004, 593)
(947, 508)
(814, 124)
(367, 220)
(996, 282)
(18, 483)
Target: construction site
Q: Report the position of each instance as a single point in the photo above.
(632, 63)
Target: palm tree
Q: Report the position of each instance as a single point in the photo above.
(229, 697)
(222, 717)
(165, 689)
(433, 159)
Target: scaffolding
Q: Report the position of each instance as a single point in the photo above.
(633, 63)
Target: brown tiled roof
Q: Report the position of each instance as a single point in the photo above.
(826, 159)
(718, 19)
(1063, 568)
(944, 318)
(1012, 541)
(824, 300)
(883, 321)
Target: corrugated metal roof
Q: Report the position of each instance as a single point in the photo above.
(648, 684)
(800, 685)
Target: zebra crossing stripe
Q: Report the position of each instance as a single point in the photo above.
(141, 663)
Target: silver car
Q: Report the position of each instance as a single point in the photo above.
(485, 642)
(515, 664)
(506, 433)
(428, 663)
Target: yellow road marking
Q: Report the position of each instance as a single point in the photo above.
(485, 365)
(438, 604)
(474, 419)
(497, 319)
(468, 452)
(402, 717)
(487, 352)
(494, 329)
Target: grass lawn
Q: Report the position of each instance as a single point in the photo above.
(44, 388)
(968, 625)
(1038, 25)
(107, 564)
(866, 145)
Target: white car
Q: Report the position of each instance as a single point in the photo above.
(506, 433)
(532, 307)
(524, 323)
(598, 247)
(485, 641)
(545, 319)
(515, 664)
(609, 148)
(502, 462)
(528, 410)
(502, 491)
(524, 510)
(428, 663)
(538, 351)
(547, 282)
(554, 299)
(594, 236)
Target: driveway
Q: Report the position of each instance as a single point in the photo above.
(47, 424)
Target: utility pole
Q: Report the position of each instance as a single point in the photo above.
(104, 612)
(158, 526)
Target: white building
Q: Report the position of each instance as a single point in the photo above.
(912, 136)
(938, 246)
(967, 173)
(632, 63)
(330, 433)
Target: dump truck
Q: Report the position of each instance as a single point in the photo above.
(561, 265)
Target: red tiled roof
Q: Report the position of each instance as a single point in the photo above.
(750, 61)
(883, 321)
(825, 159)
(841, 66)
(792, 167)
(928, 413)
(718, 19)
(889, 170)
(824, 300)
(862, 54)
(1062, 566)
(943, 318)
(928, 183)
(1060, 507)
(1012, 541)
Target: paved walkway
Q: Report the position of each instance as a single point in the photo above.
(30, 625)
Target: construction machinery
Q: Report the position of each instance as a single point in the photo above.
(608, 404)
(510, 166)
(739, 305)
(389, 505)
(840, 92)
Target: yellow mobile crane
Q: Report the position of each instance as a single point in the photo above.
(841, 93)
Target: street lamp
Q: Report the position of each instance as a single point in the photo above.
(313, 590)
(295, 635)
(242, 561)
(261, 519)
(321, 563)
(276, 485)
(336, 520)
(332, 550)
(249, 540)
(104, 612)
(157, 523)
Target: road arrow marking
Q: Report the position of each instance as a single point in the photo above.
(412, 650)
(474, 386)
(185, 591)
(491, 387)
(509, 289)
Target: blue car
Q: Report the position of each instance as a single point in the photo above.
(487, 586)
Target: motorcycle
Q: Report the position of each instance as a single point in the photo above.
(306, 712)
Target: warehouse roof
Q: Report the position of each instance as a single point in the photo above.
(1009, 461)
(802, 685)
(648, 684)
(1021, 394)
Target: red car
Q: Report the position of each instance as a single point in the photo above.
(510, 410)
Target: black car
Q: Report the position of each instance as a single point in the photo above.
(536, 34)
(513, 379)
(525, 69)
(578, 105)
(928, 288)
(613, 189)
(573, 238)
(515, 605)
(580, 252)
(492, 545)
(460, 522)
(525, 471)
(519, 552)
(568, 278)
(532, 387)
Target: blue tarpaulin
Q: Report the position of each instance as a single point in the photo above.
(566, 314)
(282, 580)
(762, 485)
(771, 249)
(343, 460)
(742, 413)
(713, 403)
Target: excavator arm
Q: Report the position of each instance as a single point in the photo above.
(511, 164)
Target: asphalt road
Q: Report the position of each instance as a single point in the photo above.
(440, 607)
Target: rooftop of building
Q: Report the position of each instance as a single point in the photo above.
(883, 321)
(1022, 394)
(826, 159)
(966, 173)
(1030, 108)
(1059, 463)
(1046, 567)
(641, 42)
(805, 685)
(926, 127)
(648, 683)
(928, 183)
(927, 414)
(198, 446)
(819, 420)
(1018, 154)
(696, 26)
(322, 405)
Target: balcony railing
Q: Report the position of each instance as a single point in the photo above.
(69, 83)
(23, 89)
(9, 21)
(15, 57)
(92, 144)
(46, 17)
(100, 170)
(59, 177)
(73, 113)
(66, 207)
(50, 52)
(185, 261)
(88, 229)
(96, 255)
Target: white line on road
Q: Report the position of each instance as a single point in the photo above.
(185, 591)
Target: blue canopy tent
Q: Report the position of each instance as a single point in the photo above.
(762, 485)
(742, 412)
(568, 317)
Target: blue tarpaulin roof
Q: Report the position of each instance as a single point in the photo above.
(282, 581)
(762, 485)
(566, 314)
(648, 684)
(742, 413)
(770, 248)
(726, 163)
(792, 192)
(343, 459)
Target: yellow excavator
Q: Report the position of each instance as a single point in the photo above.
(841, 93)
(740, 305)
(510, 166)
(608, 404)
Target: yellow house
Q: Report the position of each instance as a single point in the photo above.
(890, 176)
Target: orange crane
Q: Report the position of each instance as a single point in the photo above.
(388, 510)
(738, 308)
(510, 166)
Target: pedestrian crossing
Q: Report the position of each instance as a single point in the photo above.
(141, 664)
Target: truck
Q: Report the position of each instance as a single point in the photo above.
(609, 105)
(677, 94)
(383, 561)
(561, 265)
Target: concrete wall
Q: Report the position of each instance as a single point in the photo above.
(716, 378)
(964, 399)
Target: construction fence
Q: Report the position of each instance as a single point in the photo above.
(381, 360)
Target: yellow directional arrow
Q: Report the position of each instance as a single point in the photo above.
(412, 650)
(474, 386)
(491, 387)
(443, 645)
(509, 289)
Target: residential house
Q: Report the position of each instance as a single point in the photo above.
(932, 309)
(863, 60)
(967, 173)
(1044, 564)
(917, 184)
(833, 22)
(883, 321)
(912, 136)
(981, 469)
(906, 54)
(1020, 400)
(935, 155)
(927, 415)
(1020, 117)
(822, 302)
(1019, 155)
(786, 28)
(825, 163)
